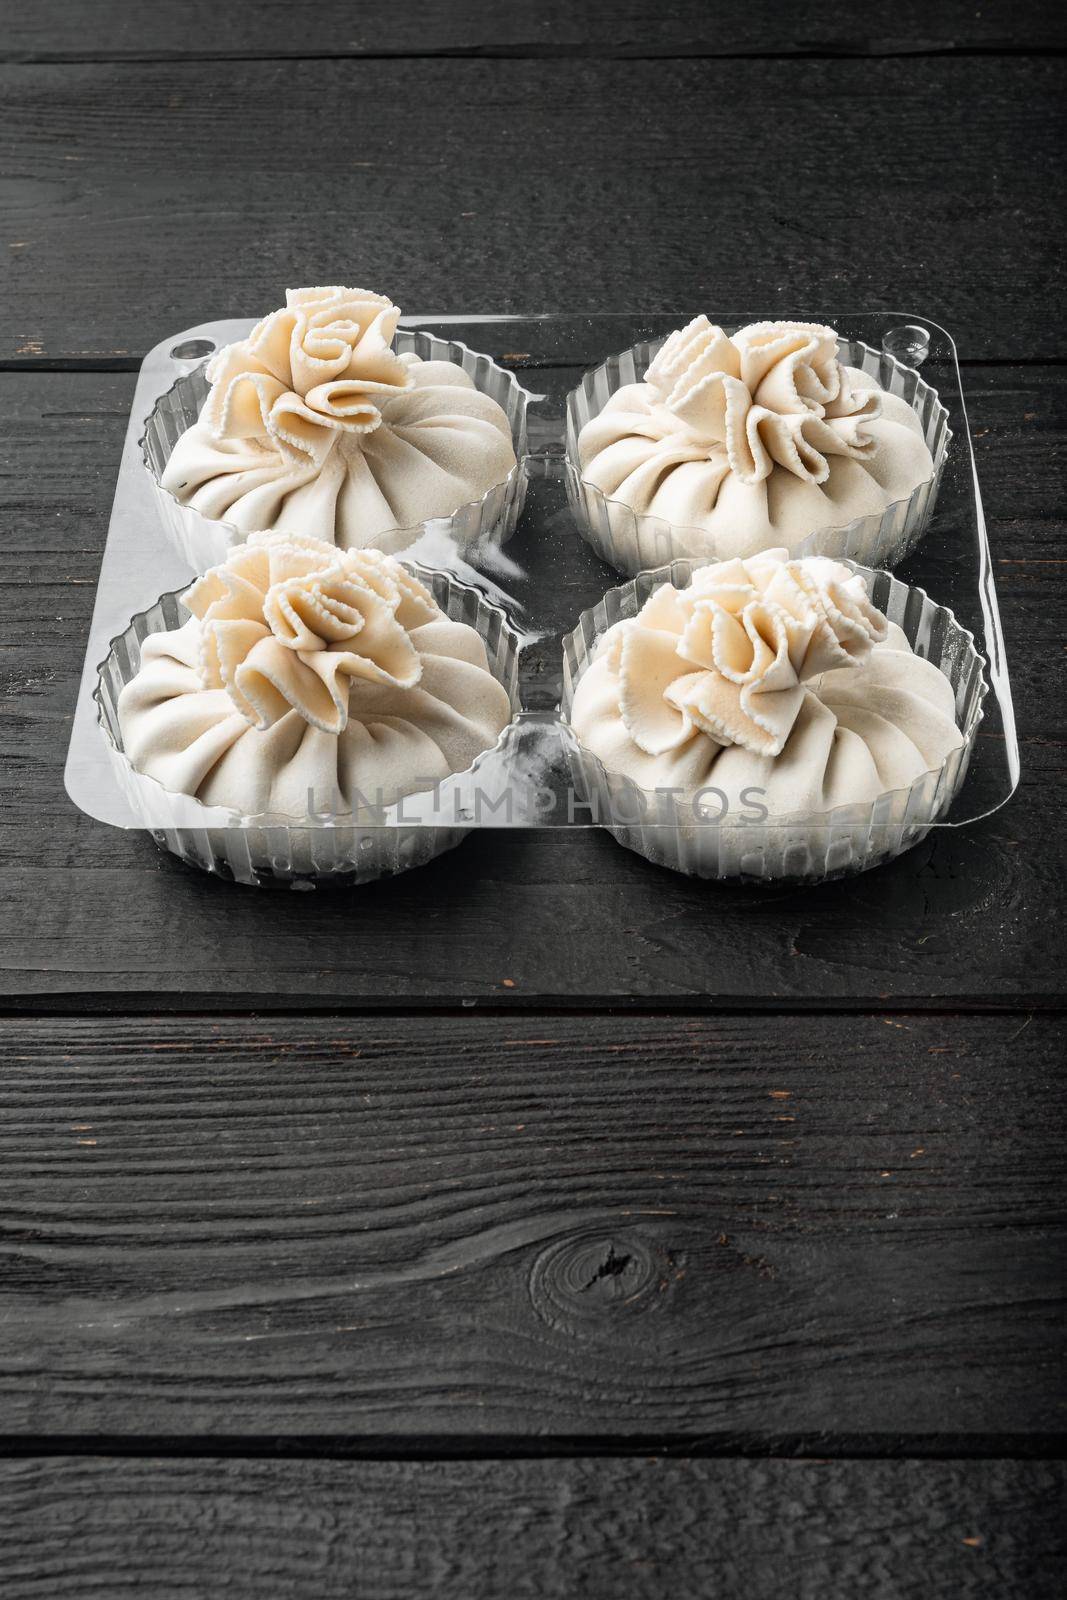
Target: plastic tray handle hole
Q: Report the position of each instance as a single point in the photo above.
(909, 342)
(192, 349)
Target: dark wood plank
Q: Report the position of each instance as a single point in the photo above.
(524, 185)
(527, 919)
(829, 1234)
(738, 1530)
(56, 30)
(962, 918)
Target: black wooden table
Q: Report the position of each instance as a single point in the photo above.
(539, 1223)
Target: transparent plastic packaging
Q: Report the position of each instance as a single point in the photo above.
(315, 848)
(542, 583)
(633, 542)
(803, 847)
(203, 542)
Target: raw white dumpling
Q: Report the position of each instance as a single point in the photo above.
(309, 679)
(757, 440)
(771, 675)
(315, 425)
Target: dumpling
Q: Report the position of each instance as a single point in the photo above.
(775, 683)
(309, 680)
(315, 425)
(757, 440)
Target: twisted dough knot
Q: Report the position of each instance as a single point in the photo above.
(774, 394)
(729, 656)
(286, 623)
(320, 366)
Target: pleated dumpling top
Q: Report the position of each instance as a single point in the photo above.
(769, 677)
(759, 439)
(309, 679)
(314, 424)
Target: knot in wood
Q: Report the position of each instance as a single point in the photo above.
(595, 1279)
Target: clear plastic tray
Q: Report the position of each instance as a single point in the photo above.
(547, 574)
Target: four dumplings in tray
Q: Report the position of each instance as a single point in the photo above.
(314, 671)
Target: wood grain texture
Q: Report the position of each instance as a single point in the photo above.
(829, 1234)
(179, 1530)
(57, 30)
(94, 916)
(526, 185)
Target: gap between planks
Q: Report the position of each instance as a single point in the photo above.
(700, 51)
(211, 1008)
(133, 363)
(483, 1447)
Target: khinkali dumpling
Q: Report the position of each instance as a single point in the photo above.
(759, 439)
(777, 683)
(314, 424)
(307, 680)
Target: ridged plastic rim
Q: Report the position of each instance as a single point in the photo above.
(660, 529)
(407, 340)
(222, 817)
(576, 650)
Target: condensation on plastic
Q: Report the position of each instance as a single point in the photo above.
(302, 852)
(204, 541)
(632, 542)
(801, 848)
